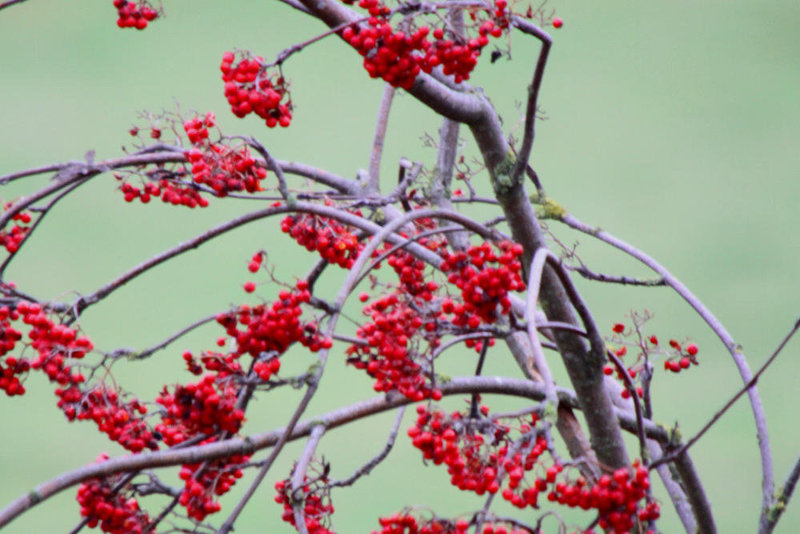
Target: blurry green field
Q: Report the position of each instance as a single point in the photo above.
(674, 125)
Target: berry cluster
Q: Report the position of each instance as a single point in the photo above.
(204, 408)
(250, 88)
(408, 523)
(399, 56)
(388, 355)
(686, 356)
(485, 279)
(11, 368)
(615, 497)
(171, 192)
(317, 506)
(134, 14)
(106, 506)
(56, 345)
(123, 422)
(222, 168)
(11, 239)
(272, 329)
(676, 357)
(409, 269)
(333, 240)
(474, 458)
(207, 480)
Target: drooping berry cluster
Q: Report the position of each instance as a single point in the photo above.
(410, 523)
(134, 14)
(389, 354)
(251, 88)
(334, 241)
(474, 451)
(170, 191)
(202, 408)
(223, 168)
(11, 238)
(616, 498)
(205, 481)
(272, 329)
(122, 422)
(398, 56)
(485, 280)
(105, 505)
(11, 368)
(317, 505)
(409, 269)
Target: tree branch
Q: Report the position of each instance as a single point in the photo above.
(336, 418)
(767, 480)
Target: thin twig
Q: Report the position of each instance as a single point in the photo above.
(629, 385)
(752, 382)
(783, 496)
(534, 283)
(273, 164)
(533, 95)
(372, 464)
(299, 478)
(623, 280)
(155, 348)
(9, 3)
(36, 224)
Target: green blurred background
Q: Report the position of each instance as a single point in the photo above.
(674, 125)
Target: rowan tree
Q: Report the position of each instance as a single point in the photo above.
(419, 275)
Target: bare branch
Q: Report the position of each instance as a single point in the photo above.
(372, 464)
(751, 383)
(767, 473)
(336, 418)
(783, 496)
(299, 478)
(9, 3)
(373, 180)
(524, 153)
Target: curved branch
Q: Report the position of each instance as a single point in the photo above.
(767, 473)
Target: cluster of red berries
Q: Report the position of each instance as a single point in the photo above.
(333, 240)
(685, 358)
(317, 505)
(205, 481)
(389, 355)
(222, 168)
(407, 523)
(56, 345)
(399, 56)
(485, 280)
(170, 192)
(249, 88)
(106, 506)
(677, 357)
(134, 14)
(474, 457)
(616, 498)
(272, 329)
(204, 408)
(410, 269)
(11, 239)
(11, 368)
(123, 422)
